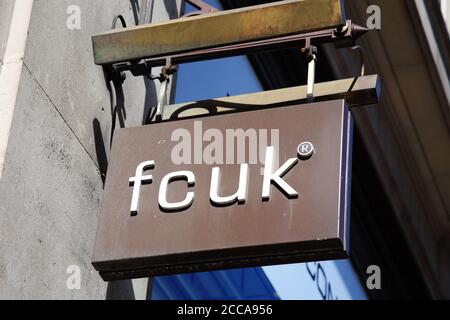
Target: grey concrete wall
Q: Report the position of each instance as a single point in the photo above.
(6, 10)
(51, 187)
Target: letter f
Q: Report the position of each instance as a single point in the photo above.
(136, 182)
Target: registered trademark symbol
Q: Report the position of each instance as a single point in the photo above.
(305, 150)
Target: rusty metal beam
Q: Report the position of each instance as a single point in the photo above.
(359, 91)
(225, 28)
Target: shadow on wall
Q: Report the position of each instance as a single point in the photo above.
(135, 8)
(120, 290)
(150, 100)
(171, 8)
(100, 150)
(118, 113)
(124, 289)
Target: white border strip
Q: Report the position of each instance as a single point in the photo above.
(437, 55)
(12, 69)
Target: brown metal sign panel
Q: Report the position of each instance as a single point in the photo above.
(251, 209)
(217, 29)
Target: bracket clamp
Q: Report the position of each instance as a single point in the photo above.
(164, 78)
(310, 51)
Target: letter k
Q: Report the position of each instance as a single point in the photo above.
(275, 177)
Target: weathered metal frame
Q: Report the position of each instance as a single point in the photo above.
(202, 7)
(344, 39)
(330, 249)
(252, 28)
(358, 91)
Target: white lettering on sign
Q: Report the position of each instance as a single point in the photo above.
(271, 176)
(168, 178)
(275, 177)
(241, 193)
(136, 181)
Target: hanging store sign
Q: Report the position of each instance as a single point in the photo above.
(241, 189)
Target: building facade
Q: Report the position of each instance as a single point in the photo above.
(58, 113)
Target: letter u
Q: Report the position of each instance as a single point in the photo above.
(241, 193)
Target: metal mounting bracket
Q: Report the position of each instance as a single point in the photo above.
(310, 51)
(133, 53)
(340, 37)
(166, 72)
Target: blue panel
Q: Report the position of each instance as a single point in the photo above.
(249, 283)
